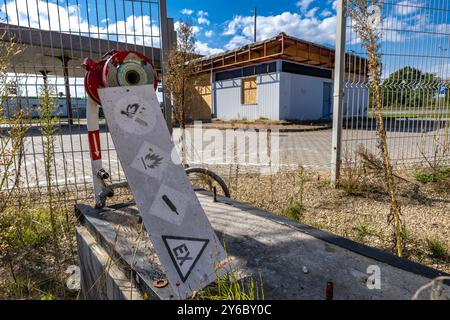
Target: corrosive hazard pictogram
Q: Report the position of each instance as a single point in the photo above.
(184, 252)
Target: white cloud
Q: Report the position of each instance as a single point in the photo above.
(202, 17)
(195, 29)
(68, 19)
(209, 33)
(334, 5)
(237, 41)
(204, 49)
(203, 21)
(407, 7)
(304, 4)
(307, 28)
(311, 13)
(325, 13)
(187, 11)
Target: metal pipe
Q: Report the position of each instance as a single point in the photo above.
(92, 110)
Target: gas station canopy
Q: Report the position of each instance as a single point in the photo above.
(51, 52)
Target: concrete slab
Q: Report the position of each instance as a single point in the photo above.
(295, 261)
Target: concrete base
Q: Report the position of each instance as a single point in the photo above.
(295, 261)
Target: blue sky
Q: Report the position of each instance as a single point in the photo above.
(415, 32)
(227, 24)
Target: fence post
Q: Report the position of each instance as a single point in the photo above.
(339, 73)
(165, 48)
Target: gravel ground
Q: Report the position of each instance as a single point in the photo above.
(363, 217)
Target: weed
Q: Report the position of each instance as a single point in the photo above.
(370, 41)
(230, 286)
(406, 235)
(435, 167)
(437, 249)
(296, 207)
(294, 211)
(427, 175)
(352, 176)
(363, 231)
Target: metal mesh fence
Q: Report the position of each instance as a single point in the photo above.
(56, 35)
(54, 38)
(414, 52)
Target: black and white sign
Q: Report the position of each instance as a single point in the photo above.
(177, 225)
(185, 253)
(151, 160)
(133, 116)
(170, 205)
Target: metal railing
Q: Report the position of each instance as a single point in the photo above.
(415, 53)
(54, 38)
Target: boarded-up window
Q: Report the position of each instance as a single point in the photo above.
(249, 91)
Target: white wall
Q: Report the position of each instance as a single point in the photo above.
(286, 96)
(228, 99)
(301, 97)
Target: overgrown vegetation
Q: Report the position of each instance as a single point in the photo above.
(435, 168)
(360, 217)
(437, 248)
(36, 229)
(232, 285)
(367, 26)
(295, 209)
(180, 81)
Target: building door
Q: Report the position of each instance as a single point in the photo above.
(327, 110)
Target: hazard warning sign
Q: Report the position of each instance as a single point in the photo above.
(182, 236)
(185, 253)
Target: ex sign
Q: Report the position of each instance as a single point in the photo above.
(177, 225)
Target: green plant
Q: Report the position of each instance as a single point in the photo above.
(436, 248)
(407, 235)
(229, 286)
(427, 175)
(364, 230)
(294, 211)
(47, 105)
(435, 167)
(26, 228)
(48, 296)
(296, 208)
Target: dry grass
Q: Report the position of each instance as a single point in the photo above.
(28, 257)
(362, 217)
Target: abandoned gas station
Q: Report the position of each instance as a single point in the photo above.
(281, 78)
(183, 229)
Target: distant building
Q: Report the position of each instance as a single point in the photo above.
(31, 106)
(282, 78)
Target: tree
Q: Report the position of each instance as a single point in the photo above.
(180, 80)
(409, 87)
(366, 25)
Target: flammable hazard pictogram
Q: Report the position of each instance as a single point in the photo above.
(184, 252)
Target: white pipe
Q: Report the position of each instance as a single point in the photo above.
(92, 110)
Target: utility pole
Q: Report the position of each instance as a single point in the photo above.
(254, 29)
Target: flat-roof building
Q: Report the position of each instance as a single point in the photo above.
(282, 78)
